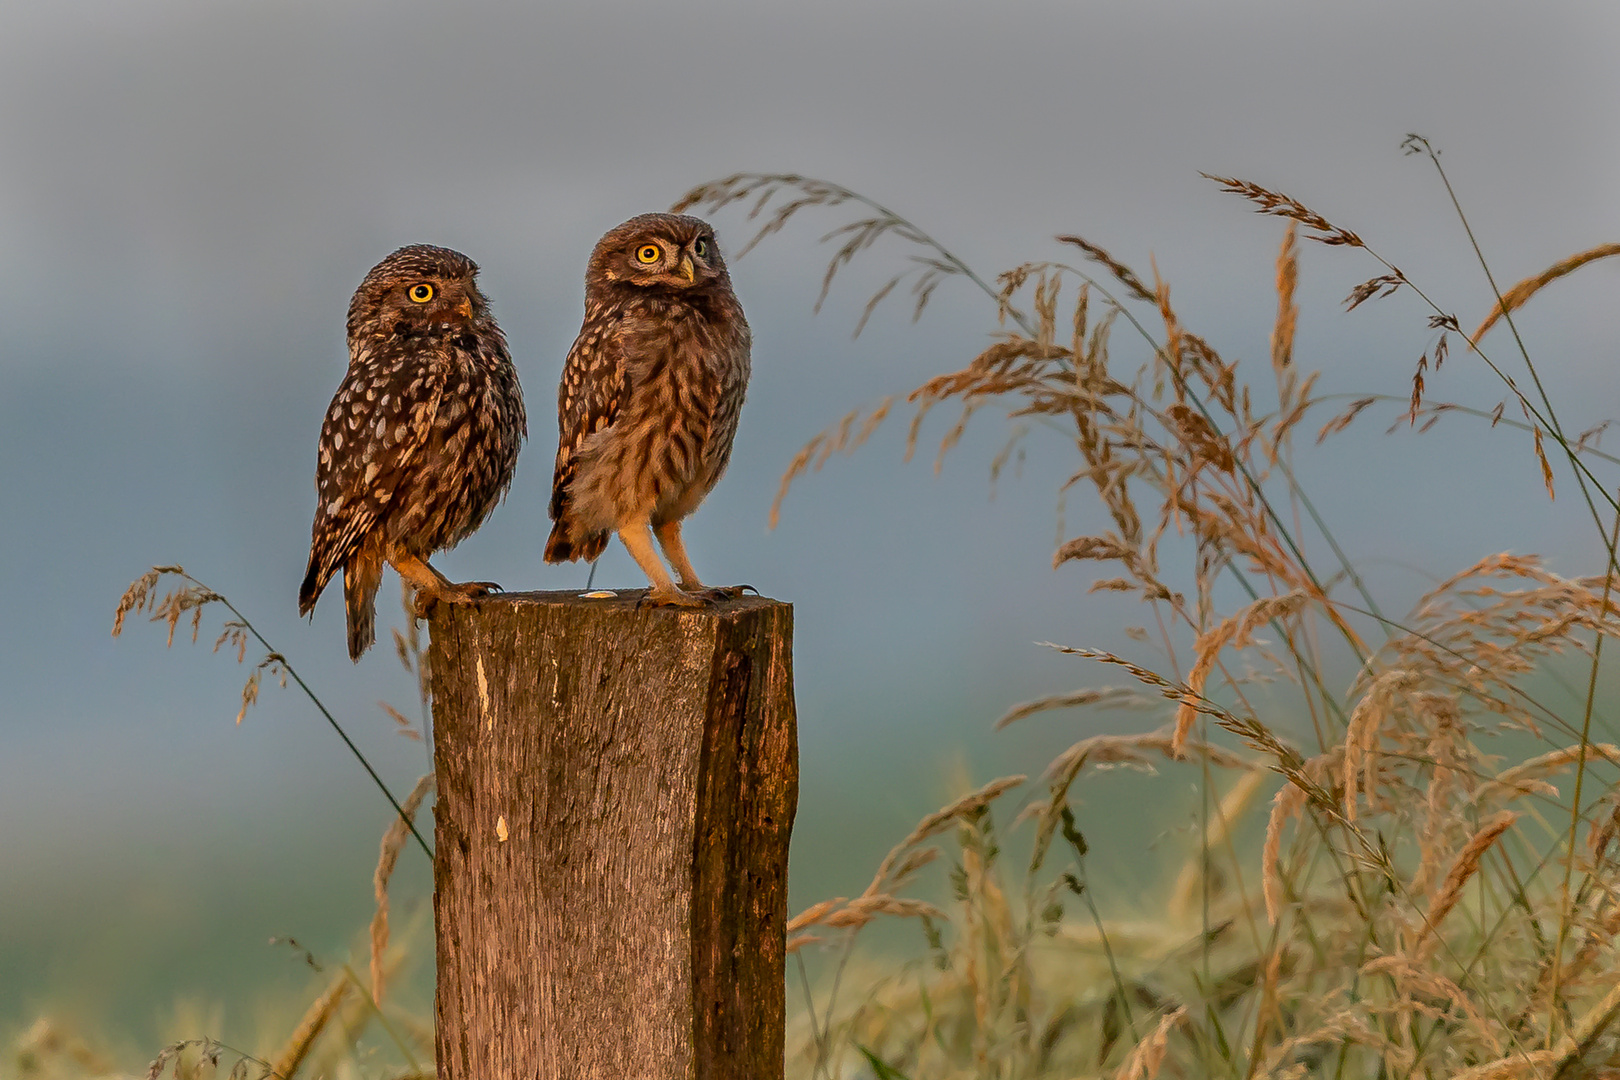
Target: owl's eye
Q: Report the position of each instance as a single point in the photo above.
(701, 248)
(648, 253)
(421, 293)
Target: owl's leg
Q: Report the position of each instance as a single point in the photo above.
(669, 537)
(431, 586)
(637, 537)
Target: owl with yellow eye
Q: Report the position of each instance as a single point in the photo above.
(650, 397)
(421, 439)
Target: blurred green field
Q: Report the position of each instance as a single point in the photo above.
(133, 947)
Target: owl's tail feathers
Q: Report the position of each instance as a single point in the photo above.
(315, 578)
(361, 576)
(562, 546)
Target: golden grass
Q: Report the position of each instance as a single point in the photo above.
(387, 858)
(1147, 1056)
(311, 1027)
(1516, 297)
(1408, 919)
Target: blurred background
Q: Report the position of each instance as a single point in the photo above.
(190, 191)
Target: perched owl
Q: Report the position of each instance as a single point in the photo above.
(421, 439)
(649, 399)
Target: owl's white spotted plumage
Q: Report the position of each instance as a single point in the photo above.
(649, 401)
(421, 439)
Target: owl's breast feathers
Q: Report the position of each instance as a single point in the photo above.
(418, 446)
(647, 409)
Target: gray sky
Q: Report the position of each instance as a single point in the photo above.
(190, 191)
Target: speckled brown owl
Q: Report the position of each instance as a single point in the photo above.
(649, 399)
(421, 440)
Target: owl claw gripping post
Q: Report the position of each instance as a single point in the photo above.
(420, 442)
(649, 399)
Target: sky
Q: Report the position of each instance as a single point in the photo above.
(190, 191)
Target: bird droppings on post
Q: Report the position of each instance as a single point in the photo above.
(483, 696)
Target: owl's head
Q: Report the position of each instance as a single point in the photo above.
(658, 251)
(417, 289)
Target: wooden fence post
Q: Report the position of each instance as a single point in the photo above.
(616, 787)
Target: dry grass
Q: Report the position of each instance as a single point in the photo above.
(347, 1028)
(187, 600)
(1435, 892)
(1516, 297)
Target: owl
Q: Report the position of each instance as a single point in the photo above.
(649, 399)
(421, 440)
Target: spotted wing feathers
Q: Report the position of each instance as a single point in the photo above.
(371, 441)
(595, 387)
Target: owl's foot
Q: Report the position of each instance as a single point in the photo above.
(717, 593)
(670, 596)
(450, 592)
(473, 590)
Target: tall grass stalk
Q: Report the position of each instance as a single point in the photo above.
(190, 600)
(329, 1034)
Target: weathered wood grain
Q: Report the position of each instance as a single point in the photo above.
(616, 791)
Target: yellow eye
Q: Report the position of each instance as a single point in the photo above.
(649, 253)
(701, 248)
(421, 293)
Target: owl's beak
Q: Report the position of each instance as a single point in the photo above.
(686, 269)
(464, 308)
